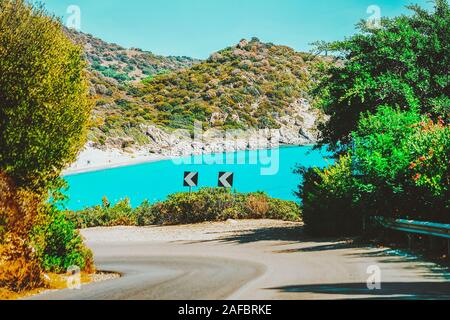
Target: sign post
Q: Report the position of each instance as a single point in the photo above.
(226, 181)
(190, 180)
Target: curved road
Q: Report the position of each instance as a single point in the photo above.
(248, 260)
(166, 278)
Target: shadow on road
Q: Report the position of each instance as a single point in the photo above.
(300, 243)
(292, 234)
(389, 290)
(335, 245)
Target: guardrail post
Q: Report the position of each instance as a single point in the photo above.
(448, 249)
(410, 242)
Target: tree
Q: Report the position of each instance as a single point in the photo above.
(44, 105)
(403, 64)
(44, 111)
(398, 166)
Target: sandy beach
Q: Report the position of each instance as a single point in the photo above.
(91, 159)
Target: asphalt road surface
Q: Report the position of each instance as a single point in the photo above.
(249, 260)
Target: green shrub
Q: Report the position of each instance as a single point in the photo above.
(330, 200)
(216, 204)
(403, 158)
(284, 210)
(398, 168)
(397, 158)
(60, 245)
(104, 215)
(429, 147)
(201, 206)
(146, 214)
(208, 204)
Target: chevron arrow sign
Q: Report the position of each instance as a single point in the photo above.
(191, 179)
(226, 179)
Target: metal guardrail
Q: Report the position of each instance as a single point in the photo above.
(417, 227)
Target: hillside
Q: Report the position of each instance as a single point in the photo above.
(252, 85)
(115, 62)
(113, 73)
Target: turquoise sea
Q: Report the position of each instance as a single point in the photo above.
(270, 171)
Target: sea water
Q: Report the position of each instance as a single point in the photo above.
(271, 171)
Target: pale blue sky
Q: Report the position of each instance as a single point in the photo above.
(197, 28)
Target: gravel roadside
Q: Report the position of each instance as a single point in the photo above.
(207, 231)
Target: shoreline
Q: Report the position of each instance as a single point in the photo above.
(116, 164)
(94, 160)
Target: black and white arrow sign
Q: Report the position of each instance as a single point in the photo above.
(226, 179)
(191, 179)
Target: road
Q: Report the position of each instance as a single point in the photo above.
(248, 260)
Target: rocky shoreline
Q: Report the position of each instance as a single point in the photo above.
(94, 159)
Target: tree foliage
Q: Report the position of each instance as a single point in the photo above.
(44, 110)
(44, 105)
(387, 102)
(398, 167)
(403, 64)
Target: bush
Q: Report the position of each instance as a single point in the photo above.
(284, 210)
(20, 274)
(147, 214)
(429, 147)
(256, 206)
(330, 200)
(60, 245)
(404, 160)
(208, 204)
(387, 104)
(104, 215)
(20, 211)
(204, 205)
(398, 168)
(216, 204)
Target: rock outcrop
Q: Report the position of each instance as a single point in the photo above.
(299, 129)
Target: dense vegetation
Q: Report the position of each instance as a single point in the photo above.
(122, 65)
(44, 109)
(251, 84)
(183, 208)
(403, 64)
(113, 74)
(388, 105)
